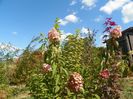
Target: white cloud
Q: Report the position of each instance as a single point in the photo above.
(88, 3)
(102, 35)
(73, 2)
(101, 44)
(71, 18)
(127, 12)
(64, 35)
(14, 33)
(113, 5)
(63, 22)
(84, 30)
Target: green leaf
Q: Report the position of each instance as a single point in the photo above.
(102, 64)
(35, 39)
(57, 20)
(57, 80)
(57, 88)
(116, 44)
(64, 70)
(42, 47)
(96, 96)
(57, 26)
(54, 70)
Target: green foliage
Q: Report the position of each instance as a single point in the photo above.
(28, 64)
(77, 53)
(3, 73)
(31, 59)
(71, 57)
(127, 92)
(56, 25)
(72, 51)
(37, 86)
(113, 67)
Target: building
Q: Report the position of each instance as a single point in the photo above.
(126, 42)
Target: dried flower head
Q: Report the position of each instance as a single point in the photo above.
(105, 73)
(46, 68)
(53, 35)
(116, 32)
(75, 82)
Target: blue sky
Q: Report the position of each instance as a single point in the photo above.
(20, 20)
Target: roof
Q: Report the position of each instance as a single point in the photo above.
(130, 29)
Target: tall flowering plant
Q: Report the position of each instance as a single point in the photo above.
(87, 79)
(110, 67)
(113, 32)
(50, 82)
(54, 80)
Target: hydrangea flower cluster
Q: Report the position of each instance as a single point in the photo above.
(105, 73)
(53, 35)
(116, 32)
(46, 68)
(75, 82)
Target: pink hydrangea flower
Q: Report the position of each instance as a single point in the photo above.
(105, 73)
(116, 32)
(46, 68)
(75, 82)
(53, 35)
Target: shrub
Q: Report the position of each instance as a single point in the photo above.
(78, 69)
(28, 64)
(63, 60)
(3, 73)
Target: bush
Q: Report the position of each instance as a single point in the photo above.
(75, 69)
(3, 73)
(64, 60)
(28, 64)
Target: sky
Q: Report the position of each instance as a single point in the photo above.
(20, 20)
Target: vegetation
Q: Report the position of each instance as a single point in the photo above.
(74, 69)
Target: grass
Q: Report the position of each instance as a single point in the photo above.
(127, 86)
